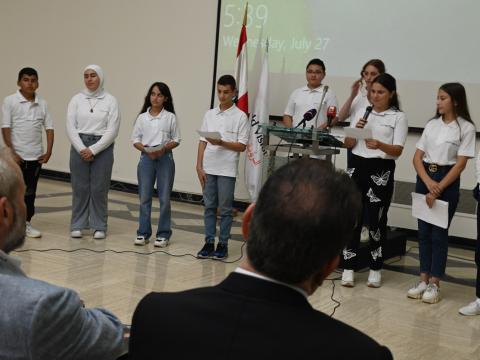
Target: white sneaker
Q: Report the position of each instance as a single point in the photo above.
(30, 231)
(364, 236)
(432, 294)
(140, 240)
(471, 309)
(99, 234)
(161, 242)
(417, 290)
(76, 234)
(347, 278)
(374, 279)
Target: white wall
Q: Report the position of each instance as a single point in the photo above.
(136, 42)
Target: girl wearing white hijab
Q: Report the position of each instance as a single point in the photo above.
(93, 121)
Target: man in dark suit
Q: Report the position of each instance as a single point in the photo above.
(304, 215)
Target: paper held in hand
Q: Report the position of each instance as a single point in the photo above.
(150, 149)
(210, 134)
(437, 215)
(358, 133)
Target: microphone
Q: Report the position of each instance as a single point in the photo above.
(331, 114)
(309, 115)
(368, 110)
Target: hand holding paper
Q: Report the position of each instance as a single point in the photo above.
(210, 134)
(357, 133)
(436, 215)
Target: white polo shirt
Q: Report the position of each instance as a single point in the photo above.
(232, 124)
(389, 127)
(103, 121)
(155, 130)
(359, 103)
(305, 99)
(442, 142)
(26, 120)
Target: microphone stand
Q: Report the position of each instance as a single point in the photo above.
(325, 90)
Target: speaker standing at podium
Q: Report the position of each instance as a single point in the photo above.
(309, 97)
(372, 169)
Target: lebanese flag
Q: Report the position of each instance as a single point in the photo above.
(241, 67)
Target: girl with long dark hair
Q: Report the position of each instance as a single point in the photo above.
(155, 134)
(372, 168)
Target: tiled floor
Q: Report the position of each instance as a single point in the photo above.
(115, 274)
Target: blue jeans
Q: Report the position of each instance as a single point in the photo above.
(218, 193)
(161, 170)
(433, 240)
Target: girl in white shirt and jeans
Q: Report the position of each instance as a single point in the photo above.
(155, 134)
(447, 142)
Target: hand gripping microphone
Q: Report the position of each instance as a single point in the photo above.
(309, 115)
(331, 114)
(368, 110)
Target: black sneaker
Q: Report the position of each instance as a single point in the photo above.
(207, 251)
(221, 252)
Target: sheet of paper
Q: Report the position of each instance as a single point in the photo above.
(150, 149)
(357, 133)
(437, 215)
(210, 134)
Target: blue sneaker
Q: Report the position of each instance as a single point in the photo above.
(221, 252)
(207, 251)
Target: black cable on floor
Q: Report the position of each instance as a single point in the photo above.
(131, 252)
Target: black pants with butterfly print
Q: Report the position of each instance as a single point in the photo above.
(375, 179)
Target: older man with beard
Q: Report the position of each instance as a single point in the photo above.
(39, 320)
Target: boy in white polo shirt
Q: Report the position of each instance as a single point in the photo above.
(24, 116)
(217, 162)
(309, 97)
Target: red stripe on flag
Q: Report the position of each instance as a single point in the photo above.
(242, 40)
(242, 103)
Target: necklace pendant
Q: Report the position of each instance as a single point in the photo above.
(91, 110)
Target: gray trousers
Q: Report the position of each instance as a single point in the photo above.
(90, 185)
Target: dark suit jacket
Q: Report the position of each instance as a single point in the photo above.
(243, 318)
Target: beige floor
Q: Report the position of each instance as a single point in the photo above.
(411, 329)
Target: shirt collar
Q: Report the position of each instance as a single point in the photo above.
(7, 258)
(151, 117)
(266, 278)
(390, 111)
(230, 109)
(21, 98)
(317, 89)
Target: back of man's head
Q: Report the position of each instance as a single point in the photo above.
(11, 197)
(305, 214)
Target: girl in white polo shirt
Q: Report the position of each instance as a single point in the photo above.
(372, 169)
(447, 142)
(358, 102)
(155, 134)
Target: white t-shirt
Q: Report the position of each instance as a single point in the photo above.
(442, 142)
(389, 127)
(304, 99)
(359, 104)
(232, 124)
(26, 120)
(155, 130)
(93, 116)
